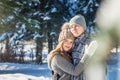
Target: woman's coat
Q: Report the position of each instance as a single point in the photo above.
(64, 68)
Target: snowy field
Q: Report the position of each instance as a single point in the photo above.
(13, 71)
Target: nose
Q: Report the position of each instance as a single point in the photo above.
(69, 45)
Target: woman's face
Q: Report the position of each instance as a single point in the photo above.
(76, 30)
(67, 44)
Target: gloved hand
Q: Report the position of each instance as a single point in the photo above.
(90, 50)
(85, 58)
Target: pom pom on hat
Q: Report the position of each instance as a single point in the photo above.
(65, 26)
(78, 19)
(65, 33)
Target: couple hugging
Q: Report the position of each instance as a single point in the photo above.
(71, 57)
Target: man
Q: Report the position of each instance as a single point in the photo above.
(77, 27)
(83, 45)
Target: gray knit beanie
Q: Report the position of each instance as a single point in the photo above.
(65, 33)
(78, 19)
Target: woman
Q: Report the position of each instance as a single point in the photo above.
(59, 59)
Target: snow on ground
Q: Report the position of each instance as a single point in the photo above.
(15, 71)
(12, 71)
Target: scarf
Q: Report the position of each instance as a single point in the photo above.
(78, 51)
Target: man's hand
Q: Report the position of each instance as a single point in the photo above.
(89, 51)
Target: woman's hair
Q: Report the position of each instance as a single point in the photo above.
(57, 50)
(64, 34)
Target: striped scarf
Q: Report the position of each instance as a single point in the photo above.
(78, 50)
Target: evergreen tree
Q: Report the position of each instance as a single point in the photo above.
(41, 20)
(88, 8)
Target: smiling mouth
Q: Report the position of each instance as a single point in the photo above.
(68, 47)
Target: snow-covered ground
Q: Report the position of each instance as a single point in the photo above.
(14, 71)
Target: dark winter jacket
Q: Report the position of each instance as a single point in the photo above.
(63, 69)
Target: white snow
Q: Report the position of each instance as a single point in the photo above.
(54, 10)
(14, 71)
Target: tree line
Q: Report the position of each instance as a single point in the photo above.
(40, 20)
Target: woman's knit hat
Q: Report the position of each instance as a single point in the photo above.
(78, 19)
(65, 33)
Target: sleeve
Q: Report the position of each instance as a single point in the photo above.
(67, 66)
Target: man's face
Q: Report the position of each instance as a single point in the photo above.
(76, 29)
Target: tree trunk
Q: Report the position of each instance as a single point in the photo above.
(39, 48)
(50, 45)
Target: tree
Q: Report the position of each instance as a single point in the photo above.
(41, 20)
(88, 8)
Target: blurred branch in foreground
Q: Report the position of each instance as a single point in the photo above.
(108, 21)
